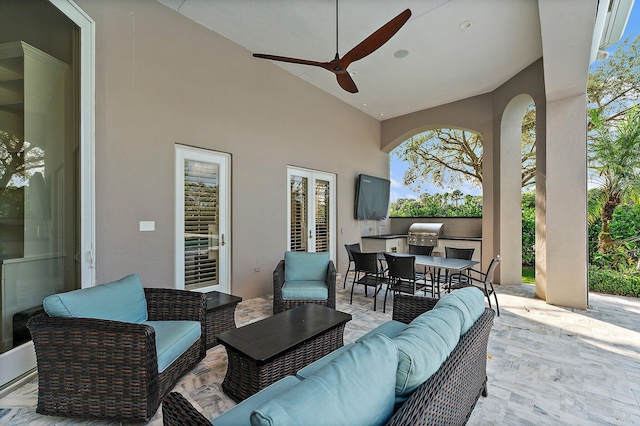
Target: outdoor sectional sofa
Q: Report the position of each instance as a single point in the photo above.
(426, 366)
(115, 350)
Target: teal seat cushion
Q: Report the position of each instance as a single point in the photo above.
(422, 348)
(355, 388)
(390, 329)
(303, 266)
(305, 290)
(240, 414)
(121, 300)
(173, 338)
(468, 302)
(315, 366)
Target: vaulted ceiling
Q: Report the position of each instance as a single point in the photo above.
(454, 48)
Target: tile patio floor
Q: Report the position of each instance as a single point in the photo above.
(546, 365)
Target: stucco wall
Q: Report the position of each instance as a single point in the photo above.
(162, 79)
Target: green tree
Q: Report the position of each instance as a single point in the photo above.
(528, 228)
(437, 205)
(449, 157)
(613, 86)
(614, 156)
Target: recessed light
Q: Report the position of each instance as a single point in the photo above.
(401, 53)
(464, 25)
(382, 114)
(352, 73)
(365, 104)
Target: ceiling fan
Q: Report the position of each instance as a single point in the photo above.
(338, 65)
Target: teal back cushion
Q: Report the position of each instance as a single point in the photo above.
(355, 388)
(303, 266)
(121, 300)
(240, 414)
(468, 303)
(422, 348)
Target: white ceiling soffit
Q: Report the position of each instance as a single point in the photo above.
(445, 62)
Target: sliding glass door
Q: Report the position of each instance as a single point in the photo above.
(46, 175)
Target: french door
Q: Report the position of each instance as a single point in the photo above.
(203, 242)
(311, 214)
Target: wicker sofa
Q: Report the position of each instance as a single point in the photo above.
(115, 350)
(446, 397)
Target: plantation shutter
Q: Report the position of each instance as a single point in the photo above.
(299, 208)
(201, 210)
(322, 215)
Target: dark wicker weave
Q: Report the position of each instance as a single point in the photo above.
(449, 396)
(245, 377)
(94, 368)
(220, 320)
(177, 411)
(446, 399)
(280, 304)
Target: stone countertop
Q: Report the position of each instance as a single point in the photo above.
(385, 236)
(461, 238)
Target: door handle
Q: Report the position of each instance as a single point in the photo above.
(310, 236)
(222, 239)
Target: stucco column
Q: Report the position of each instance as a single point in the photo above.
(511, 189)
(564, 225)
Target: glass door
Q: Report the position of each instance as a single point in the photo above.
(311, 212)
(46, 175)
(202, 220)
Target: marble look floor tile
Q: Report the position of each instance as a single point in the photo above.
(546, 365)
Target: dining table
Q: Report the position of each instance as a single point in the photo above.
(437, 263)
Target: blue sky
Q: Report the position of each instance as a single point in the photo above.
(398, 167)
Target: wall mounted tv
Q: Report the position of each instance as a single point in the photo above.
(372, 197)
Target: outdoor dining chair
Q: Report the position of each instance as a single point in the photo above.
(401, 273)
(367, 273)
(350, 248)
(458, 253)
(484, 283)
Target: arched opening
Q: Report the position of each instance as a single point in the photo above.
(437, 169)
(517, 169)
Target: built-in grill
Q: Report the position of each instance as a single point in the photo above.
(424, 234)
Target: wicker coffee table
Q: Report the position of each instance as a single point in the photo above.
(265, 351)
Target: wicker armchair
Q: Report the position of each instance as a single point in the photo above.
(281, 304)
(96, 368)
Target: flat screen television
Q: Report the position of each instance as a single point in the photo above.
(372, 197)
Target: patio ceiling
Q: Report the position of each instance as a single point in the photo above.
(445, 61)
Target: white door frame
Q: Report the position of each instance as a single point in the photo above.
(17, 364)
(182, 153)
(312, 176)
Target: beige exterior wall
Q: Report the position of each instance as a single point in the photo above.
(162, 79)
(561, 241)
(474, 114)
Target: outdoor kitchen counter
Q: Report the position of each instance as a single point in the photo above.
(460, 242)
(393, 243)
(462, 238)
(385, 236)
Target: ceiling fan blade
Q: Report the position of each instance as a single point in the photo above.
(346, 82)
(375, 40)
(291, 60)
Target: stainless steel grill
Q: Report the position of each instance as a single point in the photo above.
(424, 234)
